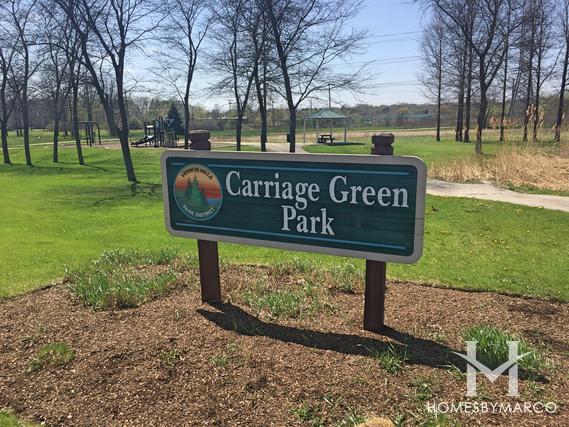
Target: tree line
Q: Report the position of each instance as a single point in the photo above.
(69, 50)
(481, 53)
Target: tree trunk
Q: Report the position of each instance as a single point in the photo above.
(264, 132)
(25, 109)
(123, 138)
(4, 112)
(262, 100)
(65, 122)
(123, 131)
(56, 137)
(110, 114)
(483, 107)
(561, 106)
(481, 119)
(89, 105)
(5, 151)
(239, 129)
(439, 89)
(468, 107)
(18, 120)
(4, 126)
(292, 129)
(537, 97)
(286, 80)
(504, 89)
(529, 91)
(186, 123)
(75, 122)
(26, 128)
(460, 111)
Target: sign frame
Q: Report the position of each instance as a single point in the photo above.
(313, 158)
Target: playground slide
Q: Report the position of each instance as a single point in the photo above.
(143, 141)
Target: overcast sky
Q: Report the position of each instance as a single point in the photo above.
(394, 27)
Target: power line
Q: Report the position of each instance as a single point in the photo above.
(400, 83)
(403, 40)
(397, 59)
(406, 33)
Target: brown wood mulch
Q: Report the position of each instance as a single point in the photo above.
(176, 361)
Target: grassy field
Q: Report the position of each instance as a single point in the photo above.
(53, 216)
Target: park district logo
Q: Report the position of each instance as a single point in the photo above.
(198, 192)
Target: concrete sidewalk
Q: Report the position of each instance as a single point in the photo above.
(490, 192)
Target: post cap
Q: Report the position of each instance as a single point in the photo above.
(200, 140)
(382, 144)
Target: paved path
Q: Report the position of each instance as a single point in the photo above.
(278, 147)
(490, 192)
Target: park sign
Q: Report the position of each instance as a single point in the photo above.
(368, 207)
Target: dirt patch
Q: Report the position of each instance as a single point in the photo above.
(176, 361)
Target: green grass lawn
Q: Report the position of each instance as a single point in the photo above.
(10, 420)
(58, 215)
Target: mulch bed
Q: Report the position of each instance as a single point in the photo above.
(232, 368)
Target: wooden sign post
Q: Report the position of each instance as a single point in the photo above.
(376, 271)
(208, 251)
(369, 207)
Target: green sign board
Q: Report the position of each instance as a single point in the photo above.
(368, 207)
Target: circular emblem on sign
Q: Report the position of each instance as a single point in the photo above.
(198, 192)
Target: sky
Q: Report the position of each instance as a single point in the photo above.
(394, 28)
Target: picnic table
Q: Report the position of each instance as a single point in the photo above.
(324, 138)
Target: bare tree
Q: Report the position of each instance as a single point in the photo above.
(71, 45)
(528, 46)
(20, 14)
(236, 56)
(75, 78)
(309, 37)
(186, 28)
(456, 75)
(108, 31)
(433, 57)
(484, 25)
(264, 74)
(504, 86)
(564, 26)
(543, 46)
(7, 95)
(55, 69)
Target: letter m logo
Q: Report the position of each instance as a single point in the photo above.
(473, 365)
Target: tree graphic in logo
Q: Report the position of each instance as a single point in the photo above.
(198, 192)
(195, 197)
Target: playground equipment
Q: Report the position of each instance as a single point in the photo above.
(158, 133)
(90, 132)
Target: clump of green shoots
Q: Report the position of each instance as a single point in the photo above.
(51, 356)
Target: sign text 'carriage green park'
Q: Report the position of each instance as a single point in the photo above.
(368, 207)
